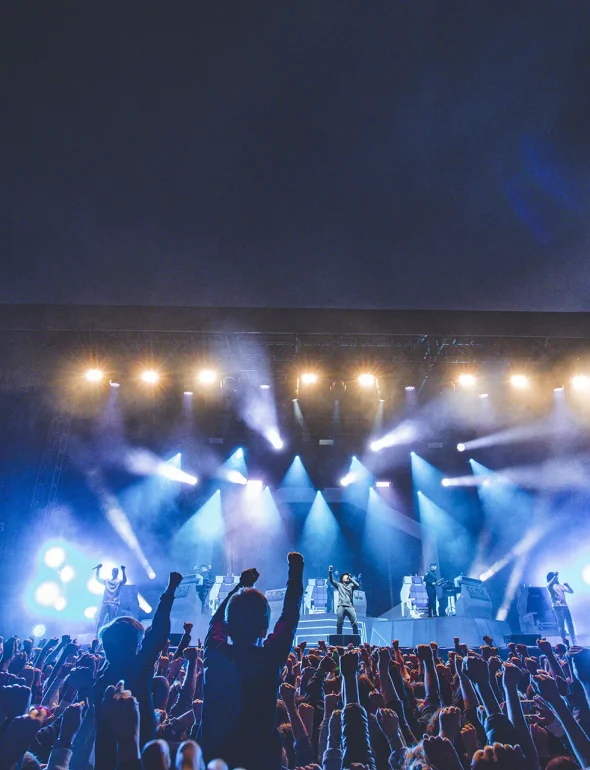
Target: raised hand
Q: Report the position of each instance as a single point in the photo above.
(288, 692)
(547, 688)
(327, 664)
(174, 580)
(498, 757)
(188, 627)
(450, 722)
(511, 676)
(545, 646)
(70, 722)
(14, 700)
(441, 753)
(424, 652)
(476, 669)
(191, 654)
(122, 713)
(376, 701)
(388, 721)
(249, 577)
(295, 559)
(331, 702)
(469, 738)
(349, 663)
(335, 727)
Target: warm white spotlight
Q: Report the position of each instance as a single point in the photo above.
(54, 557)
(67, 573)
(410, 387)
(558, 389)
(150, 377)
(188, 393)
(366, 380)
(519, 381)
(114, 384)
(581, 382)
(90, 612)
(382, 484)
(484, 395)
(309, 378)
(207, 377)
(235, 477)
(94, 375)
(461, 447)
(466, 380)
(39, 630)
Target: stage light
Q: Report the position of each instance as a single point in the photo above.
(309, 378)
(54, 557)
(46, 594)
(188, 393)
(114, 384)
(461, 447)
(39, 630)
(382, 484)
(90, 612)
(150, 573)
(410, 387)
(446, 482)
(207, 377)
(366, 380)
(347, 480)
(67, 573)
(466, 380)
(235, 477)
(94, 375)
(150, 377)
(519, 381)
(581, 382)
(558, 389)
(586, 574)
(144, 606)
(172, 473)
(254, 486)
(60, 604)
(484, 395)
(265, 387)
(239, 453)
(275, 440)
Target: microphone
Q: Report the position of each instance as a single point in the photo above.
(98, 566)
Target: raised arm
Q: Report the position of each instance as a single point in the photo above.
(124, 578)
(331, 578)
(354, 583)
(510, 679)
(285, 627)
(553, 581)
(217, 633)
(97, 570)
(568, 588)
(157, 634)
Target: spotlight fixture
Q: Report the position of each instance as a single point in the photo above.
(207, 377)
(114, 384)
(265, 387)
(67, 573)
(94, 375)
(347, 480)
(309, 378)
(558, 389)
(39, 630)
(60, 604)
(150, 377)
(461, 447)
(446, 482)
(410, 388)
(382, 484)
(188, 393)
(466, 380)
(484, 395)
(519, 381)
(90, 612)
(366, 380)
(54, 557)
(581, 382)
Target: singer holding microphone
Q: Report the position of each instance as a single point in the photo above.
(557, 592)
(109, 608)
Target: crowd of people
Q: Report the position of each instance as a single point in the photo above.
(245, 698)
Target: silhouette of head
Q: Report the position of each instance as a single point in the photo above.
(121, 638)
(248, 616)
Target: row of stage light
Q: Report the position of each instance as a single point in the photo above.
(210, 378)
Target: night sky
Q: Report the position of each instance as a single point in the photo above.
(399, 154)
